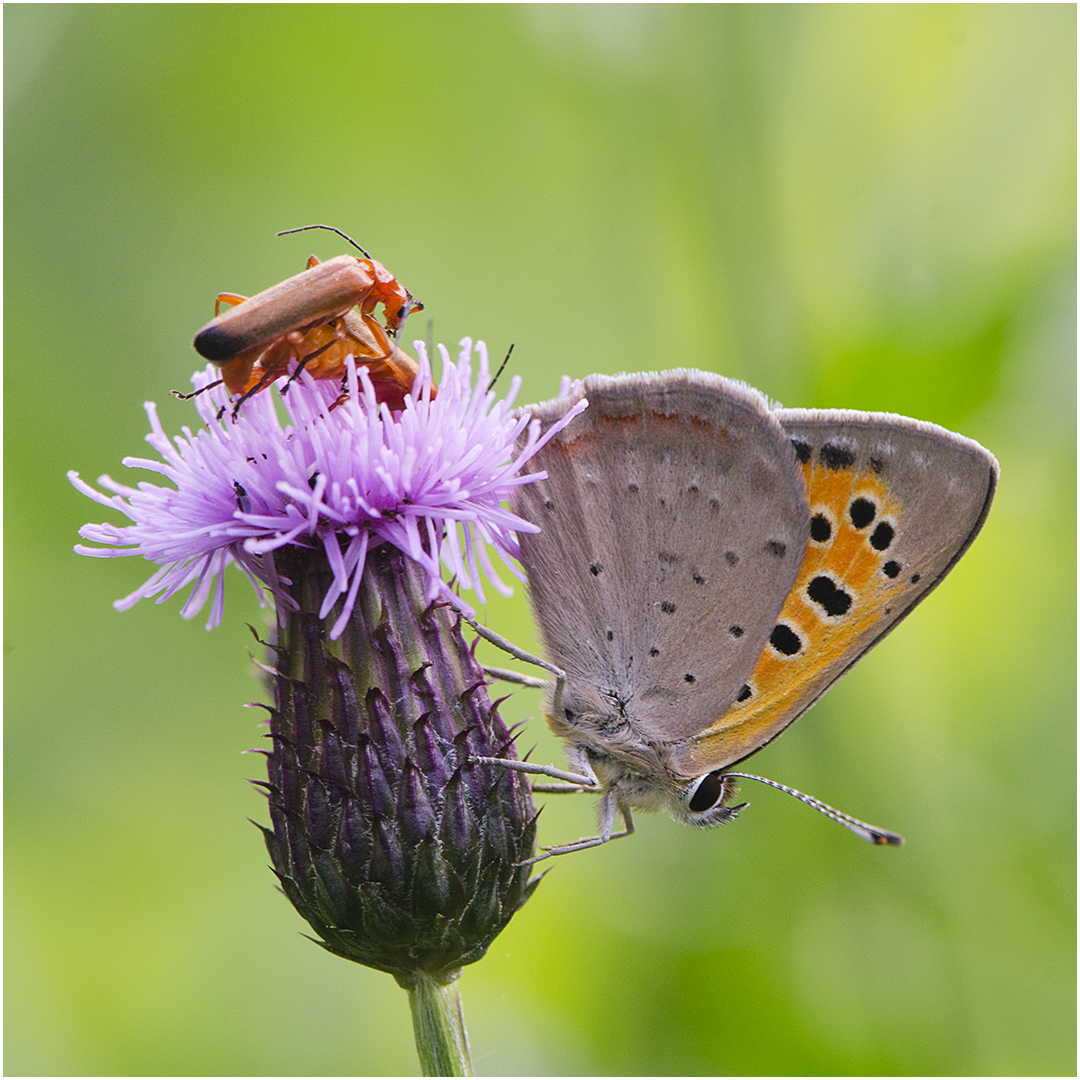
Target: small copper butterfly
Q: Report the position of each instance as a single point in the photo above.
(708, 565)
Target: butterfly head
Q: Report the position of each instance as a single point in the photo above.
(702, 802)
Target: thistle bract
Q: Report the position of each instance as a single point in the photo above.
(398, 851)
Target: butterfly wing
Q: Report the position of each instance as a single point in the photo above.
(674, 521)
(894, 503)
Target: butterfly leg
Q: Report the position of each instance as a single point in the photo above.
(506, 675)
(575, 780)
(583, 779)
(560, 789)
(508, 646)
(610, 807)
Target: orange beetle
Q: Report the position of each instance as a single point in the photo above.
(316, 319)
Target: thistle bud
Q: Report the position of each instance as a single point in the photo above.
(399, 851)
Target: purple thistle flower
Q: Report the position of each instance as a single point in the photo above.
(390, 835)
(429, 480)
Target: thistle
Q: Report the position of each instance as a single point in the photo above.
(400, 851)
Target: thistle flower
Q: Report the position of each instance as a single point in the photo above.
(400, 851)
(428, 480)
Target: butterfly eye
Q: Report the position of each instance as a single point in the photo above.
(707, 792)
(702, 802)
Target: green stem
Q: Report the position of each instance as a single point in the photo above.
(439, 1028)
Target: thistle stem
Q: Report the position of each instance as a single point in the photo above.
(439, 1027)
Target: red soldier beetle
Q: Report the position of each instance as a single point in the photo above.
(316, 319)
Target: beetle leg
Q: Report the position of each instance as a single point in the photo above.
(195, 393)
(230, 298)
(303, 363)
(267, 366)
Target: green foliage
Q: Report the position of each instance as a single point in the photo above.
(846, 206)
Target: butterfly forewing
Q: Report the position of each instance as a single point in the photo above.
(674, 521)
(893, 504)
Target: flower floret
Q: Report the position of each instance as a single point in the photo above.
(344, 476)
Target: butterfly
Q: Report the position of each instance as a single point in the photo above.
(708, 565)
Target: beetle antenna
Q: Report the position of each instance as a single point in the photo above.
(871, 833)
(495, 378)
(329, 228)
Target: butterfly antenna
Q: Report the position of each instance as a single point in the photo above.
(329, 228)
(495, 378)
(870, 833)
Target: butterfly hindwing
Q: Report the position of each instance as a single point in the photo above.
(893, 504)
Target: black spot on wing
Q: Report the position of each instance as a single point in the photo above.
(784, 640)
(882, 536)
(820, 529)
(828, 596)
(862, 512)
(835, 456)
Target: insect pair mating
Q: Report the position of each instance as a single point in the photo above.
(315, 319)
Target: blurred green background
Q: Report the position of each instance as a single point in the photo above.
(852, 206)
